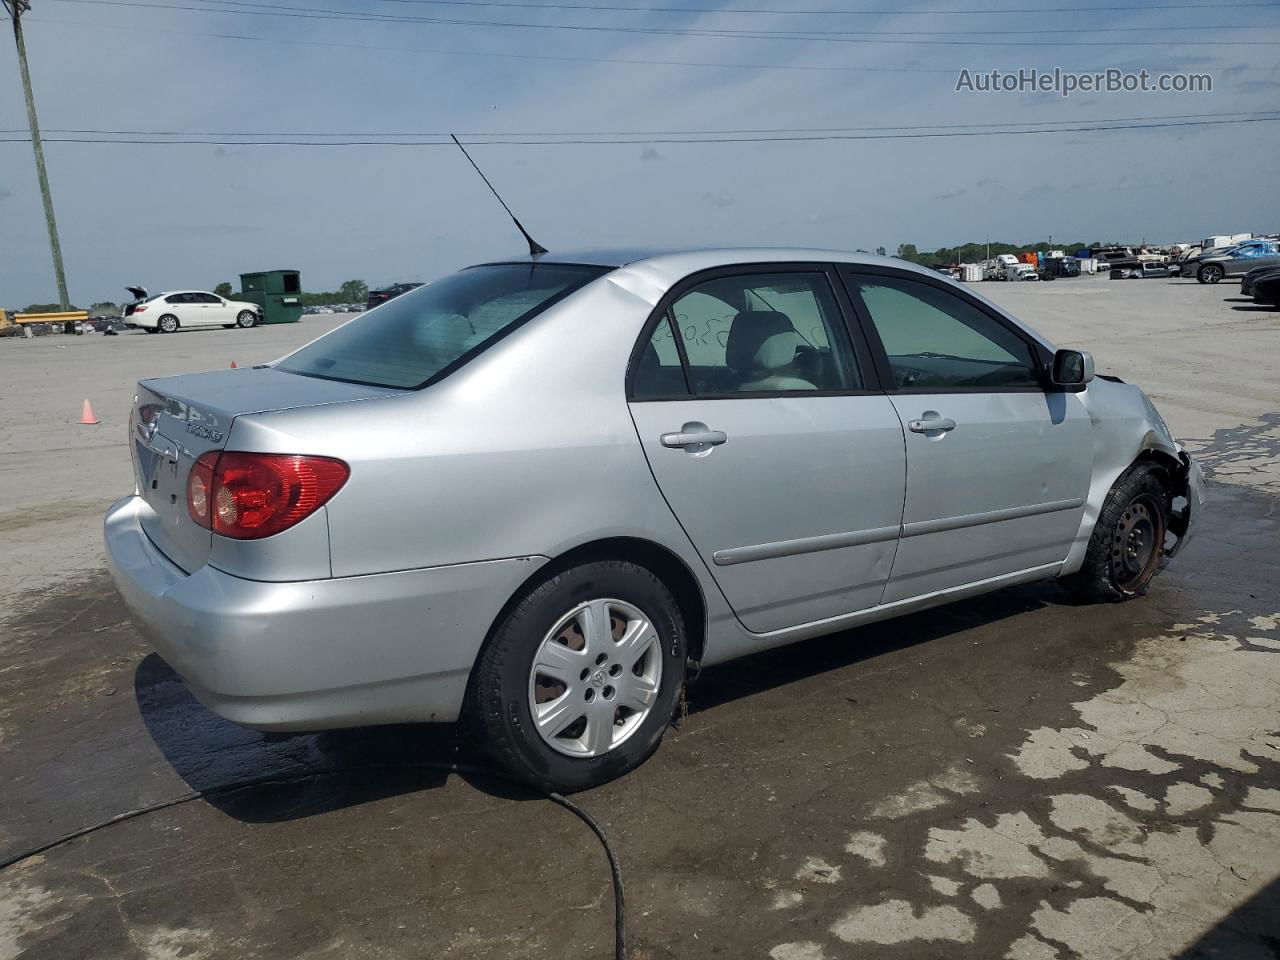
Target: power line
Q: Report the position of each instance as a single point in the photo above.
(624, 61)
(320, 13)
(609, 8)
(1215, 7)
(555, 58)
(252, 5)
(1218, 114)
(651, 140)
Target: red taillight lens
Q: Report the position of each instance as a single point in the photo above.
(253, 495)
(139, 309)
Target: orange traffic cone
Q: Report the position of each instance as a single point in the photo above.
(233, 365)
(86, 414)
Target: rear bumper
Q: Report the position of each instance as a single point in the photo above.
(385, 648)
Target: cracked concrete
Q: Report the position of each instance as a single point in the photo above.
(1008, 777)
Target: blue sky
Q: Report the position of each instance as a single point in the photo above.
(193, 215)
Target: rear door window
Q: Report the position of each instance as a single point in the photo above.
(768, 332)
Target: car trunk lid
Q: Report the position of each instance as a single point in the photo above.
(176, 420)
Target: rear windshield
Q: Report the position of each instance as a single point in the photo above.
(410, 340)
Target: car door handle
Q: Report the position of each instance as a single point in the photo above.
(928, 426)
(710, 437)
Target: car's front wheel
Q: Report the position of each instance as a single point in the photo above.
(1126, 548)
(246, 319)
(579, 680)
(168, 323)
(1210, 273)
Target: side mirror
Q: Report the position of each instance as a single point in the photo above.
(1071, 368)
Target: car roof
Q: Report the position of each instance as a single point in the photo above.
(676, 262)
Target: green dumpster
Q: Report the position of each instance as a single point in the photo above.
(278, 292)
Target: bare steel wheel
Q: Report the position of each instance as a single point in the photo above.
(595, 678)
(1135, 550)
(1126, 548)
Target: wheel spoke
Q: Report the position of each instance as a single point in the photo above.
(598, 736)
(596, 630)
(637, 693)
(554, 716)
(636, 640)
(559, 662)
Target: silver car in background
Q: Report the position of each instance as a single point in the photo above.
(531, 494)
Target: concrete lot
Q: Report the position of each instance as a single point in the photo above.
(1008, 777)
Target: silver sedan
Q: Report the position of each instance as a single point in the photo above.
(532, 494)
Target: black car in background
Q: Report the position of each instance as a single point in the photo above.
(1256, 274)
(379, 297)
(1266, 289)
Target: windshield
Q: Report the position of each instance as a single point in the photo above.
(409, 341)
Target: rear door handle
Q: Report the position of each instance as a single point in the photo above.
(928, 426)
(709, 437)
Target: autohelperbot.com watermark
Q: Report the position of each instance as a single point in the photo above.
(1065, 83)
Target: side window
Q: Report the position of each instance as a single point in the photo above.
(765, 332)
(935, 340)
(658, 372)
(178, 298)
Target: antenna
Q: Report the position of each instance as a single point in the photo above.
(535, 248)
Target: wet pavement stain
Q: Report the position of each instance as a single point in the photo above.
(1007, 776)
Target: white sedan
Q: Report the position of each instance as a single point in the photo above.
(178, 309)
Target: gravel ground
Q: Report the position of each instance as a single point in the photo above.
(1011, 776)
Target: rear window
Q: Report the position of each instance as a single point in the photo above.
(410, 340)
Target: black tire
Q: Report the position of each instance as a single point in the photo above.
(1126, 549)
(167, 324)
(1210, 273)
(498, 708)
(246, 319)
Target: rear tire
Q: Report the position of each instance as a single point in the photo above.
(604, 698)
(167, 324)
(1126, 549)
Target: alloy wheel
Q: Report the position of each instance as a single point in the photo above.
(595, 678)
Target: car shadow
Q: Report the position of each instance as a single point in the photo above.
(1256, 308)
(257, 778)
(1238, 932)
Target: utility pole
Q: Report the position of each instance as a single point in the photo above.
(15, 9)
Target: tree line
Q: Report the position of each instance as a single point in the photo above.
(976, 252)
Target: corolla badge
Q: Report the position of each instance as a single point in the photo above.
(200, 430)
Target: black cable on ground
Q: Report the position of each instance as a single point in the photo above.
(615, 869)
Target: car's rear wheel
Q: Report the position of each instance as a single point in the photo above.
(1210, 273)
(246, 319)
(580, 678)
(168, 323)
(1127, 546)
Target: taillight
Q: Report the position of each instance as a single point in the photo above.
(253, 495)
(139, 309)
